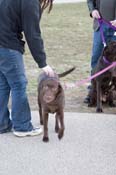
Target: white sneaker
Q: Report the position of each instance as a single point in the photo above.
(34, 132)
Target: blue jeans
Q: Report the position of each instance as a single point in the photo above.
(13, 80)
(98, 45)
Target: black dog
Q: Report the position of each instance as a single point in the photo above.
(51, 100)
(104, 84)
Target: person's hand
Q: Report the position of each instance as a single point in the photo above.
(49, 71)
(113, 23)
(95, 14)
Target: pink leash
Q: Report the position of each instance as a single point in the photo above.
(79, 83)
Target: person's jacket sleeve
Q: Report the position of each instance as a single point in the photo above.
(91, 5)
(31, 14)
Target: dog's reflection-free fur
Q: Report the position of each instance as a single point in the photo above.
(51, 99)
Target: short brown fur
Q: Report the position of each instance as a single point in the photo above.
(51, 99)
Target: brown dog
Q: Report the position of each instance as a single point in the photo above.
(51, 100)
(105, 83)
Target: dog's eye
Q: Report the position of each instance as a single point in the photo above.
(45, 87)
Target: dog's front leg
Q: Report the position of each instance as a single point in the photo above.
(45, 123)
(99, 103)
(40, 111)
(40, 114)
(60, 117)
(56, 124)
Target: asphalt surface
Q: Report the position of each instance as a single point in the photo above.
(88, 148)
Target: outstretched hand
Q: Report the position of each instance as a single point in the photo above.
(95, 14)
(49, 71)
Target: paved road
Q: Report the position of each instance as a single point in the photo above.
(88, 148)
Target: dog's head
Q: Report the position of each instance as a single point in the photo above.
(110, 51)
(50, 90)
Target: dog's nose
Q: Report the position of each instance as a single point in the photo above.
(48, 99)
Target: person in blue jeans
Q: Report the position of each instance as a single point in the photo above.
(17, 17)
(107, 10)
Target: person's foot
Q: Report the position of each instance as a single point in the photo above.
(9, 129)
(34, 132)
(87, 99)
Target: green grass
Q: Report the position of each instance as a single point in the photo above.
(67, 34)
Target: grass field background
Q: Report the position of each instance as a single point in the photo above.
(67, 33)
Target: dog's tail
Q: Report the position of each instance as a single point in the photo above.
(66, 72)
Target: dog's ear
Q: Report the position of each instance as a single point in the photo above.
(60, 89)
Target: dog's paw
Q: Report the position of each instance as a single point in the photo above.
(45, 139)
(99, 110)
(60, 135)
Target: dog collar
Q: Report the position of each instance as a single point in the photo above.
(106, 61)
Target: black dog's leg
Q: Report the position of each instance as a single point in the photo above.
(92, 94)
(111, 102)
(99, 103)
